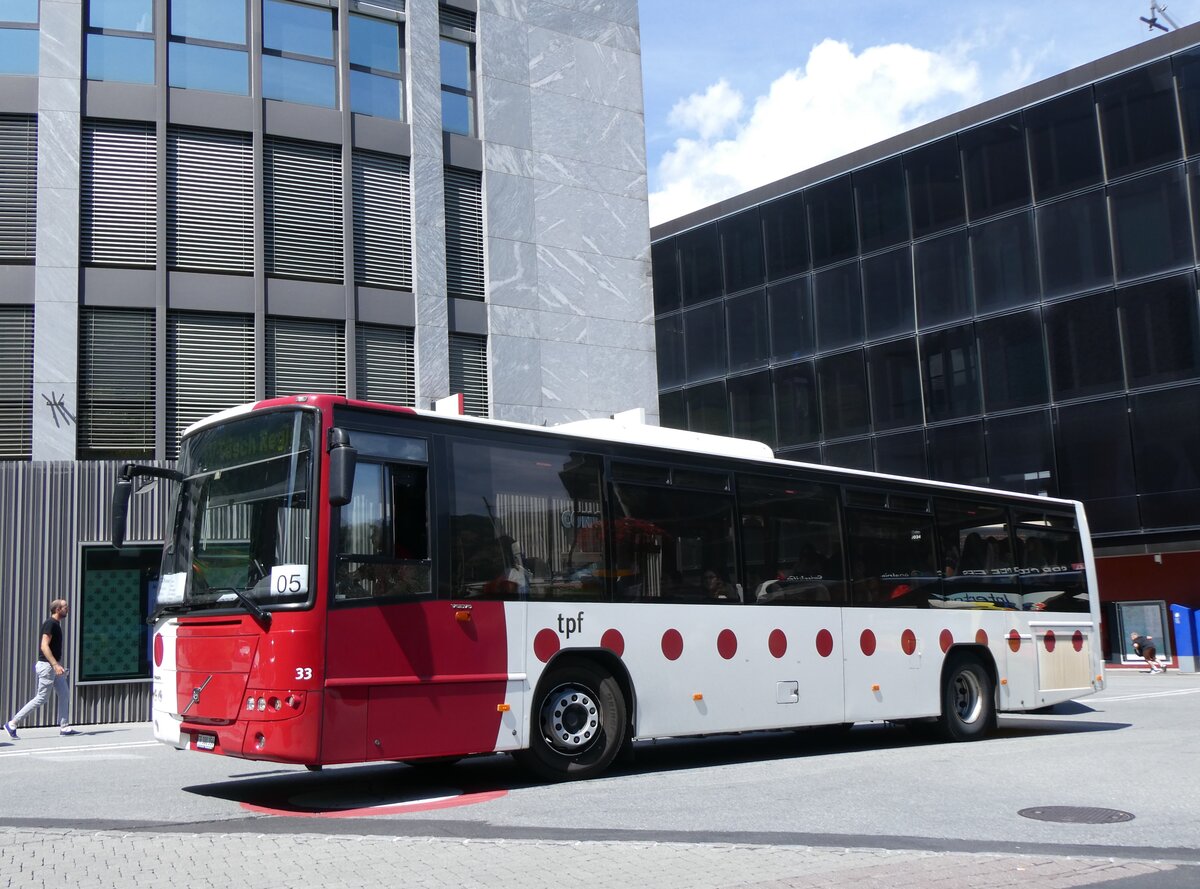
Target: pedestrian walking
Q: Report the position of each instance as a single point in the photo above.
(1144, 646)
(50, 672)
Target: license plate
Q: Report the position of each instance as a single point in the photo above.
(206, 742)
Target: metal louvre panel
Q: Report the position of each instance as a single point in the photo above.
(303, 214)
(116, 383)
(386, 368)
(469, 373)
(210, 201)
(210, 367)
(450, 17)
(382, 220)
(119, 195)
(464, 233)
(305, 356)
(18, 187)
(16, 382)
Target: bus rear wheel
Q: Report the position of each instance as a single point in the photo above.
(579, 723)
(968, 701)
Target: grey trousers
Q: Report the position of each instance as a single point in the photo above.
(46, 680)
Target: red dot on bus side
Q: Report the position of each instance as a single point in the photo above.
(1077, 640)
(867, 642)
(727, 644)
(981, 637)
(1014, 640)
(777, 643)
(946, 640)
(908, 642)
(672, 645)
(1050, 640)
(158, 649)
(824, 643)
(613, 641)
(545, 644)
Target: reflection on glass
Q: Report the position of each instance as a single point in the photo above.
(887, 284)
(943, 279)
(746, 321)
(708, 408)
(376, 95)
(844, 404)
(1020, 453)
(1013, 361)
(750, 407)
(668, 339)
(995, 167)
(294, 28)
(456, 64)
(895, 384)
(1004, 264)
(1138, 118)
(456, 114)
(796, 404)
(1073, 244)
(831, 222)
(791, 317)
(375, 43)
(785, 236)
(208, 68)
(666, 276)
(291, 80)
(699, 264)
(124, 59)
(18, 51)
(1150, 224)
(221, 20)
(704, 333)
(838, 302)
(742, 250)
(1064, 144)
(19, 11)
(121, 15)
(1077, 332)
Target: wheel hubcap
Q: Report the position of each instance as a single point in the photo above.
(570, 719)
(968, 699)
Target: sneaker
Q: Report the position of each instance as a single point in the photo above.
(67, 730)
(12, 731)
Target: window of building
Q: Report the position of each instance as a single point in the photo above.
(887, 283)
(882, 205)
(708, 408)
(120, 40)
(935, 187)
(458, 71)
(844, 405)
(116, 384)
(669, 350)
(1138, 119)
(385, 365)
(208, 49)
(699, 264)
(210, 200)
(18, 201)
(19, 37)
(1151, 231)
(303, 209)
(1064, 144)
(1187, 78)
(117, 593)
(664, 262)
(298, 53)
(382, 220)
(956, 453)
(16, 382)
(305, 356)
(750, 408)
(746, 323)
(1083, 345)
(831, 221)
(1073, 244)
(902, 454)
(791, 319)
(376, 67)
(950, 373)
(943, 277)
(741, 250)
(672, 410)
(895, 384)
(1005, 263)
(463, 196)
(210, 367)
(854, 454)
(837, 299)
(995, 167)
(704, 338)
(797, 411)
(1013, 361)
(469, 373)
(1166, 430)
(1160, 331)
(785, 235)
(1020, 453)
(118, 194)
(1094, 451)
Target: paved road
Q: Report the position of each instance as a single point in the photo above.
(875, 808)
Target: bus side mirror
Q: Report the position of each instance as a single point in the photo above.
(120, 510)
(343, 459)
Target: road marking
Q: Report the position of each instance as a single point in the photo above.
(1151, 694)
(76, 749)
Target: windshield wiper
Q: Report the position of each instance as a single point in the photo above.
(259, 613)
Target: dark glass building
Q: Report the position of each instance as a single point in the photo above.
(1004, 297)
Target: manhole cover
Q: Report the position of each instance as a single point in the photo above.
(1076, 815)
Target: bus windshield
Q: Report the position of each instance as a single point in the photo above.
(243, 520)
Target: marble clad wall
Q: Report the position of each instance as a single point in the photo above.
(571, 328)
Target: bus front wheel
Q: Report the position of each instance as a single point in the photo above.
(579, 723)
(968, 701)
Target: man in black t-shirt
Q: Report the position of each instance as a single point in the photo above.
(1144, 647)
(50, 672)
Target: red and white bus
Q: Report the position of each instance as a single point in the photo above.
(348, 582)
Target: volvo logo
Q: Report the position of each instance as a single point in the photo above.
(196, 695)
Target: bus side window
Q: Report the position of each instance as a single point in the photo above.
(892, 559)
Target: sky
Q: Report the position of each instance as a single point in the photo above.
(740, 94)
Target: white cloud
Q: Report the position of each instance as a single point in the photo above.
(840, 102)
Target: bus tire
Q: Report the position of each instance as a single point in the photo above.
(578, 723)
(968, 701)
